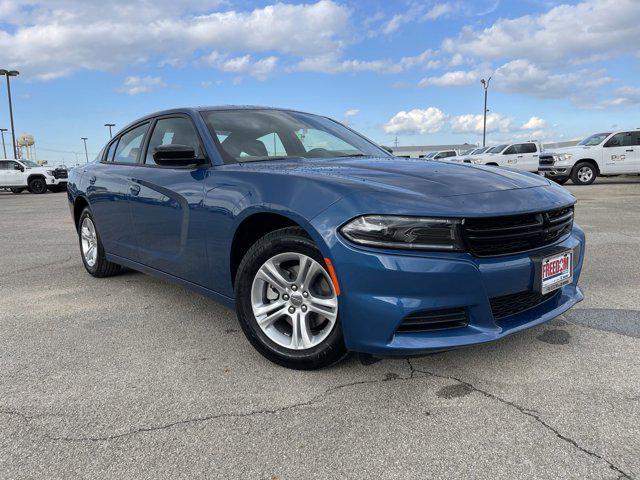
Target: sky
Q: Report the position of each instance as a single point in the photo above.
(402, 69)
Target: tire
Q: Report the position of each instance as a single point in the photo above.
(17, 190)
(560, 181)
(38, 185)
(492, 164)
(323, 345)
(584, 173)
(97, 266)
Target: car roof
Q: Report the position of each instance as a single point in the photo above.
(198, 109)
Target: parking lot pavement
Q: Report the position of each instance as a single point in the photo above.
(131, 377)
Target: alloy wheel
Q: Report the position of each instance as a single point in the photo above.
(294, 301)
(585, 174)
(89, 241)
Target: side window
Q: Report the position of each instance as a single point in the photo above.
(451, 154)
(4, 165)
(110, 152)
(510, 151)
(129, 145)
(630, 139)
(173, 131)
(527, 148)
(616, 141)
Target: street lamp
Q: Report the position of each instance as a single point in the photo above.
(11, 73)
(110, 125)
(86, 154)
(485, 86)
(4, 149)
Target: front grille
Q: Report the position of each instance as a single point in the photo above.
(493, 236)
(547, 160)
(430, 320)
(515, 303)
(60, 173)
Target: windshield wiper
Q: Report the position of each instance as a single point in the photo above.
(353, 155)
(267, 159)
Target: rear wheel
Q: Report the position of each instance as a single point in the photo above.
(91, 248)
(584, 173)
(37, 185)
(287, 303)
(17, 190)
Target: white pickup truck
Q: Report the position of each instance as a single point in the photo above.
(521, 156)
(18, 175)
(601, 154)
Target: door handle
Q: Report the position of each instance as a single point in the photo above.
(519, 156)
(134, 189)
(630, 150)
(92, 180)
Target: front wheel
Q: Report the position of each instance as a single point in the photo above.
(583, 174)
(91, 248)
(38, 185)
(287, 303)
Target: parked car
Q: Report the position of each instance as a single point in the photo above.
(601, 154)
(20, 175)
(521, 156)
(440, 155)
(466, 156)
(322, 241)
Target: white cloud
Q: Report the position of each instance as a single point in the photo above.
(418, 12)
(244, 65)
(452, 79)
(429, 120)
(331, 63)
(438, 11)
(351, 112)
(522, 76)
(534, 123)
(471, 123)
(135, 85)
(425, 60)
(567, 33)
(624, 96)
(97, 35)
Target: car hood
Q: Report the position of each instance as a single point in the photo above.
(407, 176)
(574, 149)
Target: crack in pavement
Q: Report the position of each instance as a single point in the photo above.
(321, 397)
(529, 413)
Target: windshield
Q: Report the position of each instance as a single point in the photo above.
(431, 155)
(29, 163)
(480, 150)
(497, 149)
(595, 139)
(258, 135)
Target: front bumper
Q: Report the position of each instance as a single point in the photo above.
(381, 288)
(555, 171)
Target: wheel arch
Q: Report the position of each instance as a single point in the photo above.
(587, 160)
(253, 225)
(79, 205)
(36, 175)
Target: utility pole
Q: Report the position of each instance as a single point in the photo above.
(4, 149)
(485, 86)
(86, 154)
(110, 125)
(11, 73)
(395, 142)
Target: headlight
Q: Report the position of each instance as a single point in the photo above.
(417, 233)
(563, 158)
(51, 172)
(476, 160)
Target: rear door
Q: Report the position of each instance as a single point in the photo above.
(109, 192)
(621, 153)
(166, 205)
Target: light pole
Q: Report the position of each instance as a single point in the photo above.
(485, 86)
(4, 149)
(110, 125)
(11, 73)
(86, 154)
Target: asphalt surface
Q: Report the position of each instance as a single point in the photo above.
(132, 377)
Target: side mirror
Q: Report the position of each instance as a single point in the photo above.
(175, 155)
(17, 166)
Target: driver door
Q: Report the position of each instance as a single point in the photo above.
(509, 158)
(622, 153)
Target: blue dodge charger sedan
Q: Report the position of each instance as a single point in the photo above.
(322, 241)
